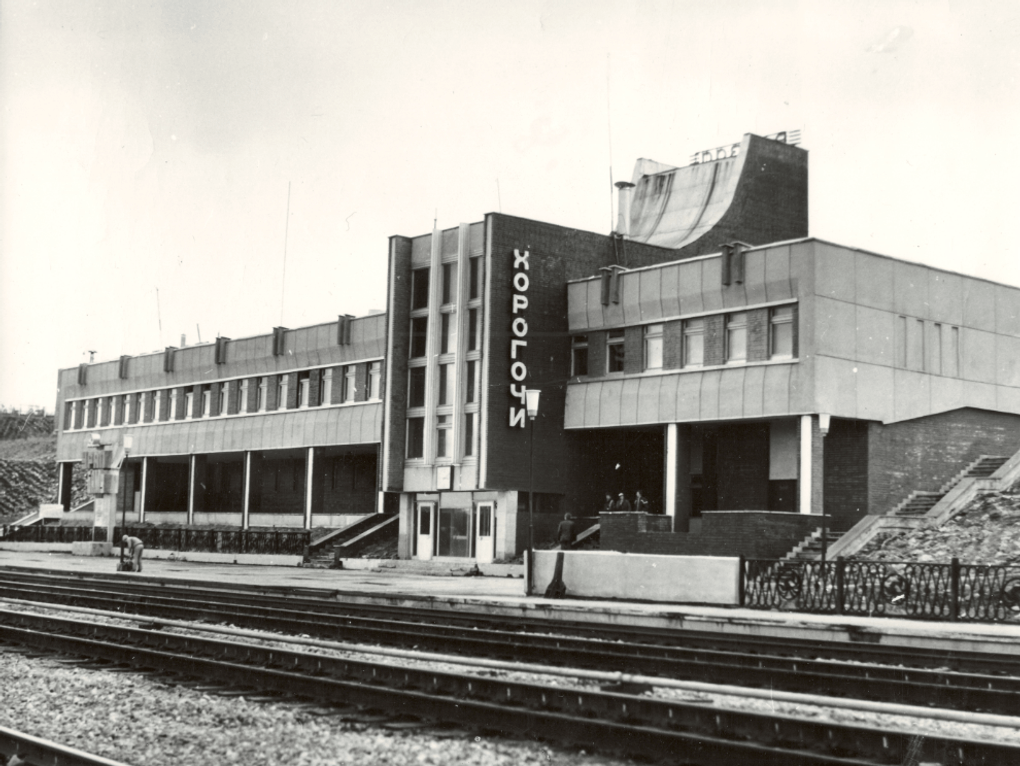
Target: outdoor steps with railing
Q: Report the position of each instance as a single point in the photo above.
(323, 551)
(918, 503)
(810, 548)
(986, 474)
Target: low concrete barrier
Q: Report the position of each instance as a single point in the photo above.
(202, 557)
(641, 577)
(39, 547)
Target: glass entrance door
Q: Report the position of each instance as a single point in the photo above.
(485, 533)
(454, 532)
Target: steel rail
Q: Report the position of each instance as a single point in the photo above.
(947, 689)
(684, 732)
(42, 752)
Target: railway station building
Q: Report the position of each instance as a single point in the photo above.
(745, 377)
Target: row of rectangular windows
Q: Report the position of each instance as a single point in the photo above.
(420, 283)
(313, 388)
(444, 437)
(927, 346)
(416, 384)
(447, 333)
(692, 355)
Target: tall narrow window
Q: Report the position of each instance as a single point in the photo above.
(781, 332)
(473, 317)
(375, 381)
(469, 434)
(304, 383)
(614, 351)
(475, 265)
(349, 382)
(653, 347)
(173, 404)
(242, 397)
(694, 343)
(443, 436)
(281, 392)
(157, 406)
(736, 338)
(579, 355)
(936, 349)
(419, 289)
(419, 336)
(326, 387)
(263, 394)
(444, 384)
(189, 404)
(415, 438)
(448, 341)
(449, 282)
(416, 387)
(471, 393)
(206, 402)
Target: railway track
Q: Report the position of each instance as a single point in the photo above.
(649, 727)
(41, 752)
(874, 674)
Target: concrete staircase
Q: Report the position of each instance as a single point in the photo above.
(810, 548)
(345, 543)
(986, 474)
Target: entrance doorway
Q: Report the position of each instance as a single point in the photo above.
(423, 527)
(454, 533)
(485, 534)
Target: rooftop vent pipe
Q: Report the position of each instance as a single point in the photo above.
(623, 207)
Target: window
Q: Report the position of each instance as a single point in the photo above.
(736, 338)
(173, 404)
(653, 347)
(242, 397)
(951, 354)
(614, 351)
(448, 343)
(157, 407)
(475, 267)
(781, 332)
(281, 392)
(443, 436)
(694, 343)
(473, 316)
(326, 387)
(936, 349)
(449, 283)
(189, 404)
(579, 355)
(444, 383)
(349, 382)
(419, 336)
(304, 387)
(471, 394)
(419, 289)
(263, 395)
(206, 402)
(469, 434)
(375, 380)
(416, 387)
(415, 438)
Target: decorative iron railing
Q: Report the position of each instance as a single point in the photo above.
(265, 541)
(953, 591)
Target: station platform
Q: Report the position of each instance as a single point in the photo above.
(504, 595)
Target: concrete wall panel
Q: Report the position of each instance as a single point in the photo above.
(731, 393)
(912, 392)
(710, 387)
(650, 294)
(610, 399)
(648, 400)
(670, 291)
(876, 333)
(1008, 400)
(979, 305)
(946, 394)
(776, 398)
(977, 352)
(667, 405)
(592, 402)
(778, 275)
(630, 297)
(835, 328)
(754, 277)
(577, 306)
(711, 284)
(689, 280)
(982, 396)
(754, 391)
(835, 273)
(874, 282)
(836, 387)
(629, 389)
(1007, 355)
(593, 305)
(911, 282)
(1007, 310)
(688, 398)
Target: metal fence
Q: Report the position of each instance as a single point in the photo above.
(953, 591)
(266, 541)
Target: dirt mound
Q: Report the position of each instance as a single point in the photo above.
(986, 531)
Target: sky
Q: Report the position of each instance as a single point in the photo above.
(181, 167)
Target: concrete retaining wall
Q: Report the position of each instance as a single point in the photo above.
(672, 579)
(44, 547)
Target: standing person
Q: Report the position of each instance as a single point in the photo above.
(641, 503)
(621, 503)
(135, 548)
(566, 532)
(609, 502)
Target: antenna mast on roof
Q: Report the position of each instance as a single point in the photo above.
(286, 232)
(609, 132)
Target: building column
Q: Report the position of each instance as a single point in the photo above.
(245, 488)
(809, 485)
(64, 484)
(191, 490)
(309, 466)
(678, 476)
(145, 482)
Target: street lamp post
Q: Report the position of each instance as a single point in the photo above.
(531, 396)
